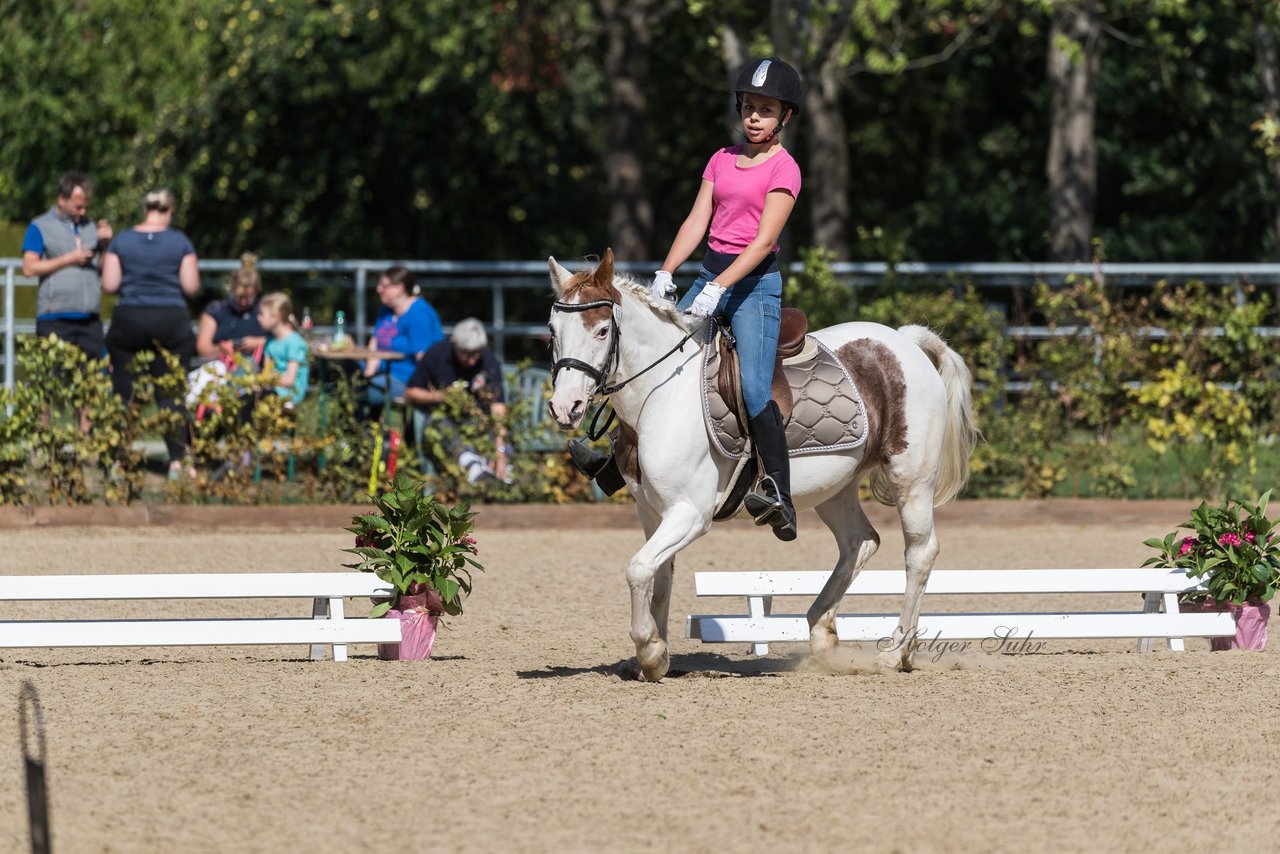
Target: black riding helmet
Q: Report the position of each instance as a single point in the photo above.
(772, 78)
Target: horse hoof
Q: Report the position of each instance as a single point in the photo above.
(889, 660)
(823, 644)
(654, 667)
(655, 673)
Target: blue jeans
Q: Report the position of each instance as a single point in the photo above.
(753, 308)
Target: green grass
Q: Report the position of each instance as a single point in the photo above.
(11, 238)
(1172, 475)
(24, 297)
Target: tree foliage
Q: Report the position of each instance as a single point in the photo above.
(451, 129)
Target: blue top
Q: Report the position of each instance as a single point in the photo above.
(439, 368)
(149, 262)
(279, 353)
(411, 333)
(33, 241)
(232, 323)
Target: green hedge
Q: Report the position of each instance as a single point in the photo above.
(320, 453)
(1102, 407)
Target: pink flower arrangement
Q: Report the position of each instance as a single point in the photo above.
(1229, 553)
(418, 545)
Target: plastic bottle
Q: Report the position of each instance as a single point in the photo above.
(307, 325)
(340, 329)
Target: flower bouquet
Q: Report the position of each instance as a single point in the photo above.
(424, 550)
(1234, 556)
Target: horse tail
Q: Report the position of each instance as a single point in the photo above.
(961, 432)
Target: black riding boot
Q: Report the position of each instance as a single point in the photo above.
(600, 467)
(772, 506)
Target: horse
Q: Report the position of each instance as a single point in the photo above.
(611, 338)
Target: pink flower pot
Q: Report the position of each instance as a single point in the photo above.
(1251, 623)
(417, 630)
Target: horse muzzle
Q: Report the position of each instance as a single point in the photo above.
(571, 419)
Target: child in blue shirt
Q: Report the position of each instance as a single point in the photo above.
(286, 350)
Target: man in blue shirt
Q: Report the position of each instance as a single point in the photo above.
(463, 362)
(62, 249)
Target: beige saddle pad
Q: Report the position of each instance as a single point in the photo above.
(827, 412)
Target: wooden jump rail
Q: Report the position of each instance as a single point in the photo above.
(327, 626)
(1158, 618)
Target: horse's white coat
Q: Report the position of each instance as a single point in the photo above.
(681, 474)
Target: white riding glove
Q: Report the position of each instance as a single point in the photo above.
(707, 300)
(663, 287)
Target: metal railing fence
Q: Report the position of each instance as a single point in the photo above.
(507, 283)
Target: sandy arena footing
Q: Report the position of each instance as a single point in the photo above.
(528, 732)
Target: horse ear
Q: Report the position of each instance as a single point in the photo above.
(559, 275)
(604, 273)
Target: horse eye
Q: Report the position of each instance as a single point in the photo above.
(602, 333)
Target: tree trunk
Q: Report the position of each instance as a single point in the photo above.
(1075, 47)
(626, 63)
(1264, 43)
(826, 181)
(824, 133)
(734, 57)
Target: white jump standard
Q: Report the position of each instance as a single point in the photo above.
(1159, 588)
(327, 625)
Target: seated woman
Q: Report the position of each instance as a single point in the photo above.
(231, 325)
(406, 324)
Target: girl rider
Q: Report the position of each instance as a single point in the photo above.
(748, 192)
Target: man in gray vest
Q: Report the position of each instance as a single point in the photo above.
(62, 249)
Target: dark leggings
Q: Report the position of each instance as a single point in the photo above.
(135, 328)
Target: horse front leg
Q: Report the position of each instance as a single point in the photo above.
(650, 597)
(660, 601)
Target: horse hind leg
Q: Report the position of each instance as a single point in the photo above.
(858, 541)
(915, 507)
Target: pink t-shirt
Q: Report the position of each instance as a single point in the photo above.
(739, 195)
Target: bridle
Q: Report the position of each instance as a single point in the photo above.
(602, 373)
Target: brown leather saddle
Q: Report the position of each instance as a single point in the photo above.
(791, 340)
(794, 327)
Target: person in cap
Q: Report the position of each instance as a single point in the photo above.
(464, 362)
(747, 194)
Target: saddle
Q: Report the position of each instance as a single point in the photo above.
(820, 405)
(792, 334)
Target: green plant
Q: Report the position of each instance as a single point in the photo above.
(1182, 410)
(19, 420)
(1232, 552)
(817, 292)
(416, 543)
(345, 444)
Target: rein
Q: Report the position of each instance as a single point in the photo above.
(601, 374)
